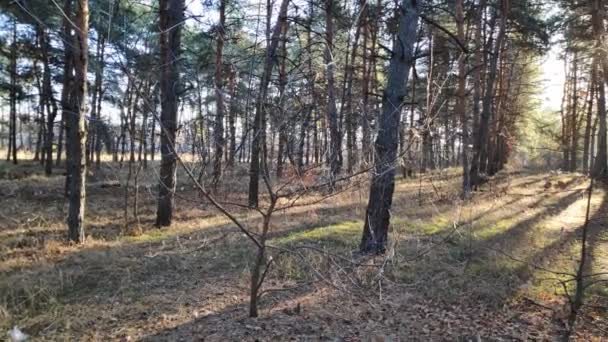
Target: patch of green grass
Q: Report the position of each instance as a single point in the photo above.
(495, 228)
(153, 235)
(434, 226)
(343, 233)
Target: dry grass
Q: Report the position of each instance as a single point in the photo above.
(455, 269)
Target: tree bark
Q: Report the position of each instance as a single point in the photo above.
(281, 119)
(51, 104)
(589, 117)
(76, 126)
(600, 164)
(12, 142)
(260, 111)
(481, 136)
(574, 137)
(335, 148)
(171, 13)
(377, 218)
(597, 18)
(232, 116)
(218, 129)
(461, 101)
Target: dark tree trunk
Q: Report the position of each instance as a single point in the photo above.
(335, 144)
(76, 126)
(259, 128)
(51, 104)
(366, 67)
(304, 140)
(95, 128)
(171, 13)
(461, 101)
(375, 231)
(600, 164)
(347, 104)
(218, 129)
(565, 122)
(281, 120)
(574, 136)
(132, 110)
(481, 136)
(41, 120)
(478, 61)
(12, 142)
(599, 32)
(589, 117)
(232, 116)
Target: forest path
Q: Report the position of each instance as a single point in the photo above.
(456, 269)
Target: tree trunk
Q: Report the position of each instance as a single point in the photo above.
(76, 126)
(218, 129)
(335, 148)
(375, 231)
(365, 128)
(309, 111)
(461, 101)
(600, 164)
(259, 128)
(12, 142)
(564, 107)
(478, 66)
(574, 117)
(589, 117)
(171, 13)
(41, 100)
(232, 116)
(50, 102)
(281, 119)
(597, 17)
(481, 136)
(347, 104)
(94, 132)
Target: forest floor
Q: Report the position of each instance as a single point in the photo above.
(491, 268)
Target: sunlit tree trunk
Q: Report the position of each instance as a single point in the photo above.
(76, 126)
(375, 231)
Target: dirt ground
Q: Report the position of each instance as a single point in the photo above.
(495, 267)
